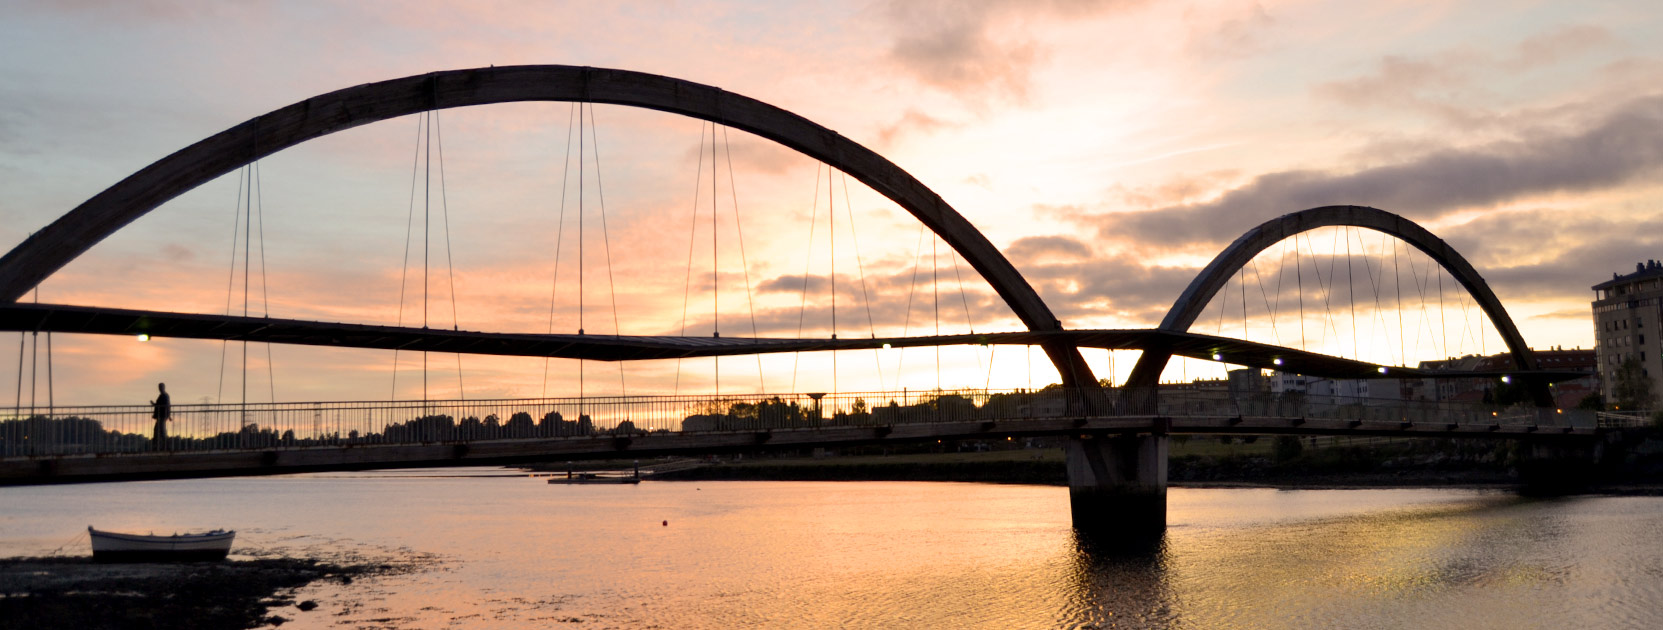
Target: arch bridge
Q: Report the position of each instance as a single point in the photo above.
(1117, 446)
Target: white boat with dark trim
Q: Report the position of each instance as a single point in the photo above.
(118, 547)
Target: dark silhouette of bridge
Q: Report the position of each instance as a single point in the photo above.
(1117, 444)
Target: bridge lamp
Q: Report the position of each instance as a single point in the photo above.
(886, 346)
(1506, 379)
(1381, 369)
(144, 337)
(1276, 361)
(1218, 357)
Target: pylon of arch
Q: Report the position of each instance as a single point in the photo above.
(1146, 373)
(54, 246)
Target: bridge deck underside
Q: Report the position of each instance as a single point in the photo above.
(73, 469)
(112, 321)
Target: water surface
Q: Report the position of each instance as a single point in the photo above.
(515, 552)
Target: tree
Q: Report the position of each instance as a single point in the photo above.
(1632, 387)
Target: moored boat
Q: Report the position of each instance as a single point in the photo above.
(118, 547)
(574, 478)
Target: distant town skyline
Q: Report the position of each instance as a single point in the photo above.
(1108, 148)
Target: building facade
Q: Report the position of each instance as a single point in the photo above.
(1626, 324)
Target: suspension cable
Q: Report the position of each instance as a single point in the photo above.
(831, 259)
(1269, 310)
(935, 308)
(1443, 314)
(912, 289)
(248, 232)
(581, 156)
(1397, 281)
(230, 282)
(409, 223)
(744, 263)
(952, 255)
(560, 233)
(860, 266)
(692, 232)
(1299, 276)
(265, 296)
(715, 266)
(427, 236)
(450, 262)
(808, 262)
(606, 241)
(1351, 290)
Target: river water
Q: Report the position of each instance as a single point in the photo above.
(515, 552)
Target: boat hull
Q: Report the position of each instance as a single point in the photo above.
(118, 547)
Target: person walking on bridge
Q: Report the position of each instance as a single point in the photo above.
(162, 411)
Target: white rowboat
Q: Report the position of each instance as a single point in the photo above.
(117, 547)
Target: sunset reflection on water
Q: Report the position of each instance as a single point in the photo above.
(518, 553)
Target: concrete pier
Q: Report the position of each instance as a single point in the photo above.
(1117, 484)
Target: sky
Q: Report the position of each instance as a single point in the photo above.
(1109, 149)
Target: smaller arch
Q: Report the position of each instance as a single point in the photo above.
(1146, 373)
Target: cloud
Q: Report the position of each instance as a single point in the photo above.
(1555, 254)
(1617, 148)
(1443, 84)
(1175, 191)
(912, 122)
(1121, 286)
(971, 49)
(1556, 45)
(1395, 79)
(1235, 37)
(794, 284)
(1039, 248)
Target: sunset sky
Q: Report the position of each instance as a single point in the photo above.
(1110, 149)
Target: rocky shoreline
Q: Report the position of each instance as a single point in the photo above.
(75, 593)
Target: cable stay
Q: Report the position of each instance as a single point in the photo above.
(912, 290)
(606, 237)
(429, 140)
(560, 238)
(860, 266)
(744, 262)
(248, 221)
(808, 262)
(692, 231)
(450, 262)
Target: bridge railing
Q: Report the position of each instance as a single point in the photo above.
(107, 430)
(203, 427)
(1368, 409)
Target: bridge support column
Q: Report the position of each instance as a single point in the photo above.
(1117, 484)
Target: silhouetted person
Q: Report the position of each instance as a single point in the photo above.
(162, 411)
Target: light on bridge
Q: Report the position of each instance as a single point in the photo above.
(1277, 360)
(144, 337)
(1218, 357)
(1381, 369)
(1506, 379)
(886, 346)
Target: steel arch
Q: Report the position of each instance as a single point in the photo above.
(74, 233)
(1146, 372)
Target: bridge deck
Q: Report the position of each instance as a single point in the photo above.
(97, 443)
(113, 321)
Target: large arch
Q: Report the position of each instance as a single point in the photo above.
(1146, 373)
(63, 240)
